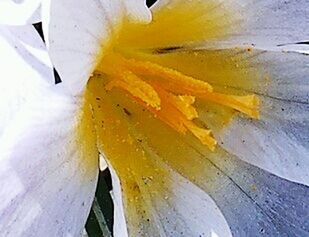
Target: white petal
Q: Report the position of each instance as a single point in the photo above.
(265, 23)
(278, 142)
(182, 209)
(251, 200)
(77, 32)
(48, 178)
(20, 12)
(25, 67)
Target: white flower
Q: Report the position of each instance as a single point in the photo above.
(140, 87)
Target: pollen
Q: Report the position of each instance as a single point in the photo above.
(170, 95)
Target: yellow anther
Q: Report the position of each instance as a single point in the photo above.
(171, 115)
(248, 104)
(137, 87)
(171, 77)
(202, 134)
(184, 104)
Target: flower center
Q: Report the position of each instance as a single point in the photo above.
(170, 95)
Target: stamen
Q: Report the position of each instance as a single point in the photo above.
(137, 87)
(170, 95)
(248, 104)
(168, 113)
(184, 104)
(178, 83)
(202, 134)
(179, 119)
(175, 79)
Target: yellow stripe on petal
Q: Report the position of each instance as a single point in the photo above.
(86, 137)
(182, 23)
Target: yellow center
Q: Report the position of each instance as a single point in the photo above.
(170, 95)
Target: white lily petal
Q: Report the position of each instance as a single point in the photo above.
(278, 142)
(20, 12)
(251, 200)
(102, 163)
(181, 210)
(48, 173)
(75, 34)
(265, 23)
(25, 67)
(78, 33)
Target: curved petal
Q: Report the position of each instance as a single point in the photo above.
(271, 205)
(251, 200)
(48, 168)
(78, 33)
(182, 209)
(25, 67)
(278, 141)
(20, 12)
(223, 23)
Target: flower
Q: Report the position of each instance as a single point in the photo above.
(153, 91)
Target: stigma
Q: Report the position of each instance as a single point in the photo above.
(170, 95)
